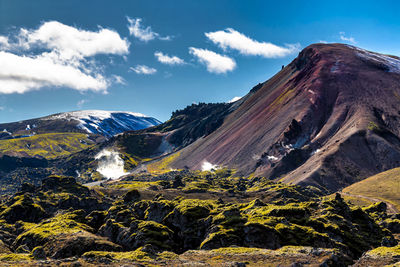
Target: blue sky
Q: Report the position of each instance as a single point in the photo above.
(58, 56)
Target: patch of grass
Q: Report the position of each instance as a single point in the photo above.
(384, 186)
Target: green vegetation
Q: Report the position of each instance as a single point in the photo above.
(49, 146)
(384, 186)
(162, 165)
(15, 257)
(61, 224)
(230, 217)
(385, 251)
(372, 126)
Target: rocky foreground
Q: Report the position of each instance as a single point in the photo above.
(191, 219)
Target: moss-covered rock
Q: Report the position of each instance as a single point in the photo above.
(38, 253)
(50, 229)
(23, 208)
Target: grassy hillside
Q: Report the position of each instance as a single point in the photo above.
(384, 186)
(48, 146)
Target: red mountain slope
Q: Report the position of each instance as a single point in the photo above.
(330, 118)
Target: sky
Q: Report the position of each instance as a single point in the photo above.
(154, 57)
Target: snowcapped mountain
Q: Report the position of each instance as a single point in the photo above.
(106, 123)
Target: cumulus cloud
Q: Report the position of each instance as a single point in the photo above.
(232, 39)
(4, 42)
(214, 62)
(144, 34)
(143, 69)
(57, 55)
(169, 60)
(20, 74)
(343, 37)
(71, 42)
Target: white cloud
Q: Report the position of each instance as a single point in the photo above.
(343, 37)
(71, 42)
(214, 62)
(166, 59)
(144, 34)
(143, 69)
(2, 108)
(20, 74)
(57, 55)
(81, 103)
(119, 80)
(4, 44)
(235, 40)
(236, 98)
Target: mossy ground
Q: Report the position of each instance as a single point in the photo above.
(155, 218)
(50, 146)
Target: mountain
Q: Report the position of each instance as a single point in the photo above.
(183, 128)
(330, 118)
(98, 122)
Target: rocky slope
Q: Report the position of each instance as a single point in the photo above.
(212, 218)
(329, 119)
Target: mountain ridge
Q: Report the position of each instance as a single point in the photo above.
(98, 122)
(329, 92)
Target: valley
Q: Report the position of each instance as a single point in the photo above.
(301, 171)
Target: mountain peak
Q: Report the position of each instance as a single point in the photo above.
(310, 123)
(101, 122)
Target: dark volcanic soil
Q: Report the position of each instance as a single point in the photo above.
(330, 118)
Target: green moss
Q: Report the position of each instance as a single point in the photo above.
(61, 224)
(129, 185)
(15, 257)
(23, 208)
(99, 256)
(294, 234)
(223, 237)
(235, 250)
(163, 165)
(50, 146)
(385, 251)
(150, 232)
(372, 126)
(195, 208)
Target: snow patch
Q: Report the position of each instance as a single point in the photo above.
(272, 158)
(236, 98)
(107, 123)
(5, 131)
(207, 166)
(393, 64)
(315, 152)
(110, 164)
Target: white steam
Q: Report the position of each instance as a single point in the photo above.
(207, 166)
(110, 164)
